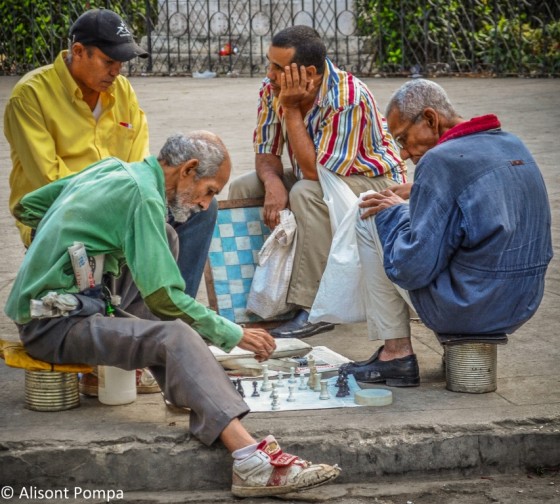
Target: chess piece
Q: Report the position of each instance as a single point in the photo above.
(291, 397)
(324, 390)
(292, 375)
(255, 391)
(265, 386)
(302, 385)
(317, 383)
(280, 381)
(312, 375)
(340, 378)
(275, 403)
(340, 392)
(240, 388)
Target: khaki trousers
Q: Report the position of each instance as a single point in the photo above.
(314, 234)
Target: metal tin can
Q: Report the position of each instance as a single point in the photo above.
(471, 367)
(51, 391)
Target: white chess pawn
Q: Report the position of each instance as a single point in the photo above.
(291, 397)
(265, 387)
(302, 385)
(292, 375)
(317, 384)
(275, 405)
(324, 390)
(280, 381)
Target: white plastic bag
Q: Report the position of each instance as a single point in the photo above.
(269, 289)
(338, 197)
(341, 295)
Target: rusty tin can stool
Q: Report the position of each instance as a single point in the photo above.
(51, 391)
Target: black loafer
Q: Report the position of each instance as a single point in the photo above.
(299, 327)
(402, 372)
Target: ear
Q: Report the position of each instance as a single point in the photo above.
(78, 50)
(189, 168)
(432, 118)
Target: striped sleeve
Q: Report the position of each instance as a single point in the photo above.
(267, 137)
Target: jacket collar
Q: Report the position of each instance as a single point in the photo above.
(475, 125)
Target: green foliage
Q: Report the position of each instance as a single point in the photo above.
(493, 36)
(34, 31)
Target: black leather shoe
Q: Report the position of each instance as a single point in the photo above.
(402, 372)
(299, 327)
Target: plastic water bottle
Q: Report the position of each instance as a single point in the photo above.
(116, 386)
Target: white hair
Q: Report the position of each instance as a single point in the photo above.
(204, 146)
(418, 94)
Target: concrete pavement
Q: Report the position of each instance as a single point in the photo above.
(427, 431)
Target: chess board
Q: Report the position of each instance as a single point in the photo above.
(304, 399)
(238, 236)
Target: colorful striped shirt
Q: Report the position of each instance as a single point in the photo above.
(348, 130)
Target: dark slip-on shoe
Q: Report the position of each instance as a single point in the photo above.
(401, 372)
(299, 327)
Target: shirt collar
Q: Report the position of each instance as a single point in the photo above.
(326, 84)
(475, 125)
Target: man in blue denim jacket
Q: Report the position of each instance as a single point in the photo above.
(470, 251)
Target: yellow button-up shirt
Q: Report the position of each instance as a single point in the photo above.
(52, 131)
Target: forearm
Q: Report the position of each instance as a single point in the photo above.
(301, 143)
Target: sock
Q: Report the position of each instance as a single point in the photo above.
(244, 452)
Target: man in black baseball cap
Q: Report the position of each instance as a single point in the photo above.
(107, 31)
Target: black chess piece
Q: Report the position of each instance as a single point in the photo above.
(340, 378)
(240, 388)
(345, 387)
(255, 391)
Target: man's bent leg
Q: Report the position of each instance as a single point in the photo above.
(395, 363)
(193, 378)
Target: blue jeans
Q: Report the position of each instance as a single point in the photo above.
(194, 236)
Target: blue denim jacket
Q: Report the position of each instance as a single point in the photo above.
(473, 245)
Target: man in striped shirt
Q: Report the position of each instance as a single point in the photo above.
(324, 116)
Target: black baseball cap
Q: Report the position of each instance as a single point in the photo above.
(107, 31)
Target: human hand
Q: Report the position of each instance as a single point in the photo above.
(259, 342)
(275, 200)
(375, 202)
(295, 89)
(402, 190)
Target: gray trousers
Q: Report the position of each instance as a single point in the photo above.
(178, 357)
(314, 234)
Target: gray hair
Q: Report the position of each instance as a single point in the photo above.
(418, 94)
(204, 146)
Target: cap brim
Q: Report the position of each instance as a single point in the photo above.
(123, 52)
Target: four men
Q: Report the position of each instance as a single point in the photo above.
(468, 252)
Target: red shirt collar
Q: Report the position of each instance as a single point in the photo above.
(475, 125)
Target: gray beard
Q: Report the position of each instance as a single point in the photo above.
(183, 213)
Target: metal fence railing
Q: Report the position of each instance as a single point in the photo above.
(368, 37)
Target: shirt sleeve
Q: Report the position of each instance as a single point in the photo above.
(267, 137)
(416, 250)
(339, 137)
(25, 129)
(159, 280)
(33, 206)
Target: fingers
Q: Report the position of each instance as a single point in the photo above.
(294, 77)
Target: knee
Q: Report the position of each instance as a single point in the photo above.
(305, 193)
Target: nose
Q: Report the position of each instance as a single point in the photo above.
(404, 153)
(204, 203)
(115, 68)
(270, 73)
